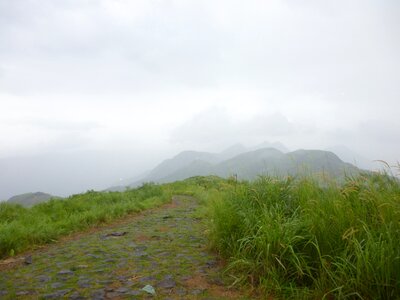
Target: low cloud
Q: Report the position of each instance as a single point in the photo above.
(216, 128)
(62, 125)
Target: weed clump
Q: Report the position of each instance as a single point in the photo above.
(296, 238)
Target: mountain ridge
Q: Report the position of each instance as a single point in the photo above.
(247, 165)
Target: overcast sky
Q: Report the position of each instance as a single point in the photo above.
(133, 82)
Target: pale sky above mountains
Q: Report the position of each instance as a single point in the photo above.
(151, 78)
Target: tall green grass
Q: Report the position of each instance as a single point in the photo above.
(300, 239)
(22, 228)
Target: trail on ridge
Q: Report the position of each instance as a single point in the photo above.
(163, 248)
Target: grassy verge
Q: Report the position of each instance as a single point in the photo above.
(23, 228)
(296, 239)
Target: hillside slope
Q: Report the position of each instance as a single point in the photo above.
(30, 199)
(249, 165)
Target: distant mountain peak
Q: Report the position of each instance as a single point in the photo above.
(29, 199)
(268, 160)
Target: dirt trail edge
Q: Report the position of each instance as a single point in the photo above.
(160, 255)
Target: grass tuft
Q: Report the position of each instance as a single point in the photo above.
(299, 239)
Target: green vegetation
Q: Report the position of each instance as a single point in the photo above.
(285, 237)
(295, 239)
(30, 199)
(248, 165)
(22, 228)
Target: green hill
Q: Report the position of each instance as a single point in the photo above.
(249, 165)
(30, 199)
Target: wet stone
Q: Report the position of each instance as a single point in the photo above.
(140, 248)
(217, 281)
(146, 279)
(163, 254)
(167, 283)
(122, 290)
(154, 265)
(184, 278)
(76, 296)
(56, 285)
(57, 294)
(104, 281)
(211, 263)
(84, 284)
(98, 271)
(181, 292)
(117, 233)
(99, 294)
(139, 254)
(65, 273)
(197, 292)
(112, 295)
(123, 278)
(135, 293)
(28, 260)
(43, 278)
(121, 265)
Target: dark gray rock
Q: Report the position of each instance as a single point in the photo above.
(181, 292)
(28, 260)
(139, 254)
(197, 292)
(146, 279)
(105, 281)
(163, 254)
(85, 283)
(56, 285)
(167, 283)
(117, 234)
(76, 296)
(112, 295)
(135, 293)
(57, 294)
(43, 278)
(65, 273)
(98, 295)
(140, 248)
(122, 278)
(22, 293)
(216, 281)
(211, 263)
(122, 290)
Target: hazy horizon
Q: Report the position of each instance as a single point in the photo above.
(92, 92)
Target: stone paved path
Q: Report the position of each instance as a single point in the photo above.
(162, 248)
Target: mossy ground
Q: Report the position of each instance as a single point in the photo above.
(165, 248)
